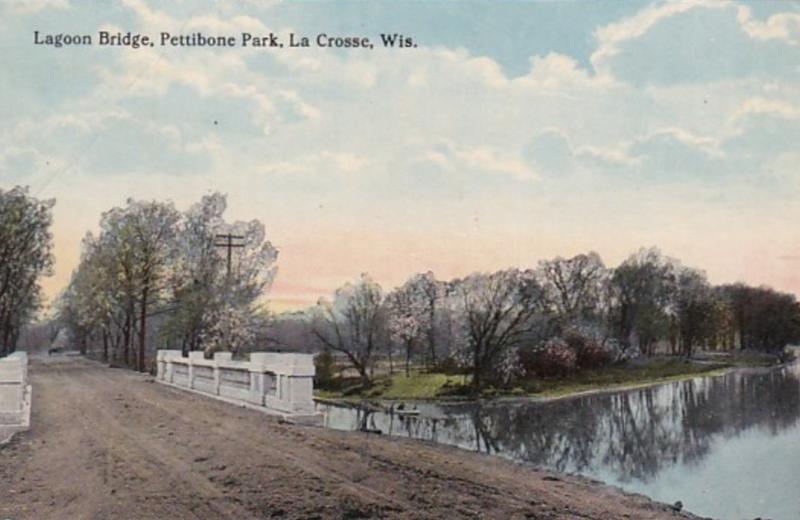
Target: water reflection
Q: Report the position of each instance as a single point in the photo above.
(634, 439)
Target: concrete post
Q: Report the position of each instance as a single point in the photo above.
(220, 358)
(197, 355)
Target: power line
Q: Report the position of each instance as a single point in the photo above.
(229, 245)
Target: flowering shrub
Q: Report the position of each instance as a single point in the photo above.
(554, 359)
(590, 354)
(230, 330)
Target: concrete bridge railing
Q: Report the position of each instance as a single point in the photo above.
(15, 394)
(279, 383)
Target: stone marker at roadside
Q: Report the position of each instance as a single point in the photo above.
(15, 395)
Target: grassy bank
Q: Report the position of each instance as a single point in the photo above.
(428, 386)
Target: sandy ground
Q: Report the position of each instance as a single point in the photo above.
(109, 443)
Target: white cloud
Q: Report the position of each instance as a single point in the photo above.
(26, 7)
(456, 159)
(324, 163)
(610, 37)
(665, 44)
(782, 26)
(773, 107)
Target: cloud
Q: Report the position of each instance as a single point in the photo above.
(764, 106)
(667, 44)
(673, 154)
(680, 100)
(27, 7)
(782, 26)
(107, 143)
(324, 162)
(550, 152)
(480, 160)
(611, 38)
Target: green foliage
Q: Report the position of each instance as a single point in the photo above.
(26, 245)
(324, 369)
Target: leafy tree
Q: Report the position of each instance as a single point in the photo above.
(25, 255)
(150, 261)
(693, 308)
(764, 319)
(639, 293)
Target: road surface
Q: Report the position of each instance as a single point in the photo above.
(109, 443)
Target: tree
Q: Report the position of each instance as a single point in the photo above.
(351, 323)
(153, 231)
(427, 293)
(210, 309)
(150, 263)
(497, 312)
(407, 319)
(573, 286)
(25, 254)
(413, 310)
(764, 318)
(639, 293)
(196, 276)
(85, 306)
(693, 308)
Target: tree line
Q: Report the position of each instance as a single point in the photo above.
(26, 245)
(156, 277)
(565, 314)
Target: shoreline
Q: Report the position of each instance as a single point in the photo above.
(544, 397)
(120, 433)
(569, 389)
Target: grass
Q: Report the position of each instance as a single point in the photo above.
(417, 386)
(420, 386)
(435, 385)
(620, 376)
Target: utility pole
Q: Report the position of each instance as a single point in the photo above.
(228, 243)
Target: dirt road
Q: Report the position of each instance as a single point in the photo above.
(108, 443)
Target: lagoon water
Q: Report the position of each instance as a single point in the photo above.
(727, 447)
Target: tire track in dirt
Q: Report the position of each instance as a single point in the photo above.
(142, 457)
(257, 441)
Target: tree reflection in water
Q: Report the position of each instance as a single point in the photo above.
(635, 434)
(631, 435)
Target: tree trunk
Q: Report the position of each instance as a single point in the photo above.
(408, 357)
(432, 335)
(126, 339)
(105, 345)
(143, 326)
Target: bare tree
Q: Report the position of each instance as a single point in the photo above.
(497, 312)
(351, 323)
(573, 286)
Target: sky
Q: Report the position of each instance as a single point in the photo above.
(513, 132)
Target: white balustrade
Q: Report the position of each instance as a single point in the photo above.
(278, 382)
